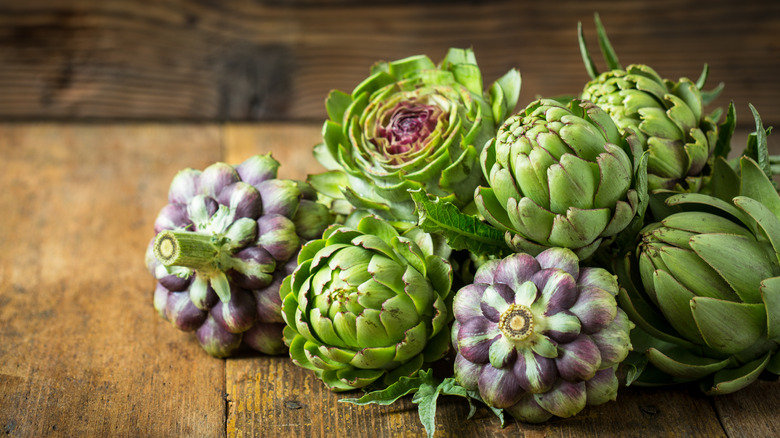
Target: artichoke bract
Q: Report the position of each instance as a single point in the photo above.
(560, 176)
(667, 117)
(367, 304)
(540, 336)
(704, 288)
(411, 125)
(224, 242)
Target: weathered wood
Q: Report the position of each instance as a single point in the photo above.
(238, 60)
(82, 351)
(750, 412)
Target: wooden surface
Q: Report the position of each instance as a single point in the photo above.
(83, 353)
(277, 60)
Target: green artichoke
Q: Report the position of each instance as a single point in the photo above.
(540, 336)
(704, 287)
(223, 244)
(560, 176)
(667, 117)
(367, 304)
(411, 125)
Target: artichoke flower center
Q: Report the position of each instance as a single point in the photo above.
(405, 128)
(517, 322)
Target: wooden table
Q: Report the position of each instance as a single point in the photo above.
(83, 353)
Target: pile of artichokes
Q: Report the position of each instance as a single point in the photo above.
(549, 254)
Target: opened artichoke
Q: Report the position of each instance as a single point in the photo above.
(704, 288)
(560, 176)
(540, 336)
(411, 125)
(667, 117)
(367, 304)
(223, 244)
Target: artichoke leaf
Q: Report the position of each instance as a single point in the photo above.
(680, 362)
(765, 219)
(757, 185)
(492, 210)
(726, 326)
(730, 380)
(351, 378)
(674, 300)
(770, 292)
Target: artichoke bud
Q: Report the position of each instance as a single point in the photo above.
(227, 234)
(365, 305)
(410, 125)
(706, 305)
(531, 332)
(559, 176)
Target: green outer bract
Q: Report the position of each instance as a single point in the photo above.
(366, 304)
(704, 288)
(668, 120)
(411, 125)
(561, 176)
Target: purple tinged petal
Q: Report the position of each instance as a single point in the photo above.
(578, 360)
(496, 300)
(502, 353)
(280, 196)
(182, 313)
(276, 233)
(516, 269)
(467, 301)
(184, 186)
(558, 289)
(161, 300)
(253, 255)
(467, 373)
(257, 169)
(486, 272)
(475, 338)
(614, 342)
(266, 338)
(563, 327)
(603, 387)
(561, 258)
(217, 341)
(172, 217)
(243, 198)
(535, 374)
(528, 410)
(596, 308)
(174, 283)
(238, 314)
(216, 177)
(269, 303)
(564, 399)
(499, 388)
(599, 278)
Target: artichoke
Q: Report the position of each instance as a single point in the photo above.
(367, 304)
(704, 288)
(224, 242)
(411, 125)
(560, 176)
(667, 117)
(540, 336)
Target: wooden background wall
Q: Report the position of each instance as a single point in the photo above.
(244, 60)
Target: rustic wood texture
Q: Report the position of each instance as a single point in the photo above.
(277, 60)
(83, 353)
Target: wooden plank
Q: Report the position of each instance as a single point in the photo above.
(271, 397)
(750, 412)
(82, 351)
(239, 60)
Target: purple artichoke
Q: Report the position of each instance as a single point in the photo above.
(540, 336)
(224, 243)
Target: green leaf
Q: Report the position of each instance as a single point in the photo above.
(391, 394)
(731, 380)
(590, 67)
(462, 231)
(725, 131)
(606, 47)
(726, 326)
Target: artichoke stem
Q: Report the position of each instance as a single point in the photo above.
(185, 248)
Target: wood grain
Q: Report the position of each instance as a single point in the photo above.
(82, 351)
(274, 60)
